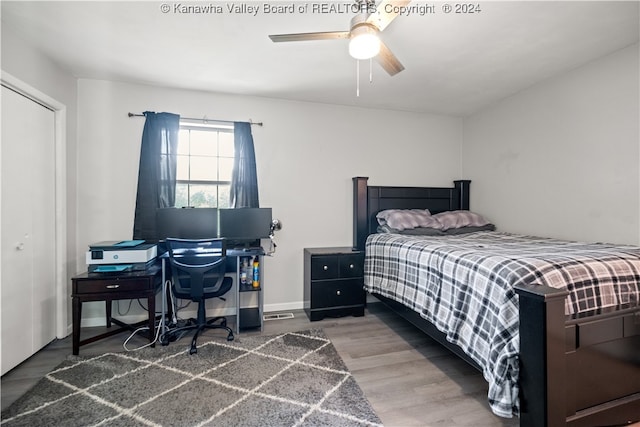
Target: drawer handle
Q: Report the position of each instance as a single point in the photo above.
(113, 286)
(338, 292)
(351, 266)
(325, 268)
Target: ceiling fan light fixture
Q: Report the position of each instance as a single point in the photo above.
(364, 43)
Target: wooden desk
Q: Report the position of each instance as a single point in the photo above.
(115, 286)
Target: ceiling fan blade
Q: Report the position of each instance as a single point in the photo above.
(276, 38)
(388, 61)
(386, 12)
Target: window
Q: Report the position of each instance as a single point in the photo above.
(205, 162)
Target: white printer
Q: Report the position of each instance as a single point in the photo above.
(122, 255)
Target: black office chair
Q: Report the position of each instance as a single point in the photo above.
(197, 269)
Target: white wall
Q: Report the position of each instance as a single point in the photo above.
(306, 156)
(562, 158)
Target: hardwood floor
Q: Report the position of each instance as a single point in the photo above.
(409, 379)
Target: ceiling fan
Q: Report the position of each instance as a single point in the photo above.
(364, 40)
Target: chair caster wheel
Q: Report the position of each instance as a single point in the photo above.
(193, 350)
(230, 337)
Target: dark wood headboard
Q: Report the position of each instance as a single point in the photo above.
(369, 200)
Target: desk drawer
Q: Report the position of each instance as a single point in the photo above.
(115, 284)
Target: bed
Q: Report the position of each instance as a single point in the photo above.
(555, 355)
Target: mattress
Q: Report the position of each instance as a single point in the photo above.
(464, 285)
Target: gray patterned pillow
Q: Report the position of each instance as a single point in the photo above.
(457, 219)
(406, 219)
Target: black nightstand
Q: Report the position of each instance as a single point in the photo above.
(333, 282)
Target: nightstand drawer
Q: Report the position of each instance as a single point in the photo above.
(351, 265)
(324, 267)
(335, 267)
(337, 293)
(100, 286)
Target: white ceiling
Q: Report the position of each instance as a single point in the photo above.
(455, 63)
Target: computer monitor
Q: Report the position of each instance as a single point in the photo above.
(187, 223)
(244, 226)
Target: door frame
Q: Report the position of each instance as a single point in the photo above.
(60, 138)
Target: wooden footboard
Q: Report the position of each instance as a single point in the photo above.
(582, 371)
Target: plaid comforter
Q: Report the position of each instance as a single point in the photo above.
(463, 284)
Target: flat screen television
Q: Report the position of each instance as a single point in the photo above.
(187, 223)
(244, 227)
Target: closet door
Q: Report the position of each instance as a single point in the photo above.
(27, 279)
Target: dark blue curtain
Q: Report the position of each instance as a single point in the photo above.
(157, 172)
(244, 180)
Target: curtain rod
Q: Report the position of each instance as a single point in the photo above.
(204, 119)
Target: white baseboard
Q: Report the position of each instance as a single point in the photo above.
(269, 308)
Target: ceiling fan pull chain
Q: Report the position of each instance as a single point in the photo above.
(370, 70)
(357, 78)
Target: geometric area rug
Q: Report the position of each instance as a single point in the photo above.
(291, 379)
